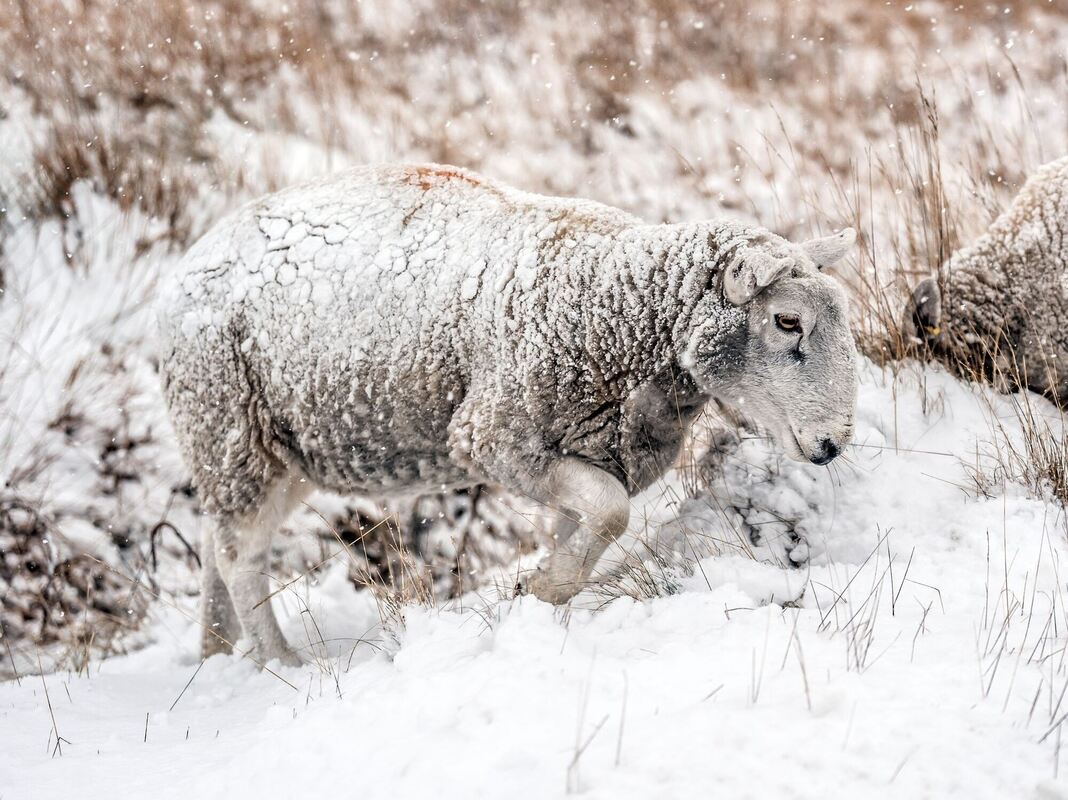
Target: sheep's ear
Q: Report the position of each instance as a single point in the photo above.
(753, 269)
(829, 249)
(923, 313)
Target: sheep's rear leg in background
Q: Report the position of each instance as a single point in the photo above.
(218, 618)
(242, 555)
(593, 509)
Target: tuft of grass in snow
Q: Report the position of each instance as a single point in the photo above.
(1027, 446)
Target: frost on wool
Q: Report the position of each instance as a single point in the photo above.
(412, 328)
(999, 307)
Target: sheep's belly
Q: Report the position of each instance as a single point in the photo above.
(378, 459)
(392, 474)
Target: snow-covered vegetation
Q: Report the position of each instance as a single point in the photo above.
(894, 625)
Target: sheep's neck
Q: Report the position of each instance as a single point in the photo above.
(646, 287)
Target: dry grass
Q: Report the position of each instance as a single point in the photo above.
(76, 151)
(1028, 444)
(128, 93)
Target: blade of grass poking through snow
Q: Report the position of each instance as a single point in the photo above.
(187, 685)
(51, 712)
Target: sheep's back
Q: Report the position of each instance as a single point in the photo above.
(358, 307)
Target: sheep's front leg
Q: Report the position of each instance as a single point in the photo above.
(593, 509)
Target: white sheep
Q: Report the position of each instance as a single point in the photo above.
(401, 329)
(999, 307)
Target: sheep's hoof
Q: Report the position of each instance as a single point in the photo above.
(211, 645)
(545, 587)
(290, 659)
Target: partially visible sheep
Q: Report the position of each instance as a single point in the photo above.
(999, 307)
(407, 329)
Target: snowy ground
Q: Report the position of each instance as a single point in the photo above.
(918, 648)
(919, 653)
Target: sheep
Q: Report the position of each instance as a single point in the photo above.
(998, 308)
(403, 329)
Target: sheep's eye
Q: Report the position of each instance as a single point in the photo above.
(791, 323)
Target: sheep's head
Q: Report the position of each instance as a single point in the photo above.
(922, 320)
(792, 354)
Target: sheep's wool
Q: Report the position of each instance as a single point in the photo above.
(1005, 301)
(412, 328)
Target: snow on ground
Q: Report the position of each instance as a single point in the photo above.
(919, 653)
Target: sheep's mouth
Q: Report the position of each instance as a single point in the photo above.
(927, 329)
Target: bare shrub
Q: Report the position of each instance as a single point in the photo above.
(54, 594)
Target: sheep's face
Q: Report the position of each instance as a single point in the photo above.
(922, 321)
(795, 361)
(800, 366)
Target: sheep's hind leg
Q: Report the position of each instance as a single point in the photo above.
(220, 627)
(242, 552)
(593, 509)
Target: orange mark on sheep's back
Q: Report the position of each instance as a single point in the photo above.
(424, 177)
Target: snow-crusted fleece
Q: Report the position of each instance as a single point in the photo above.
(339, 327)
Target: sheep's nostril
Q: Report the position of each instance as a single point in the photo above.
(828, 452)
